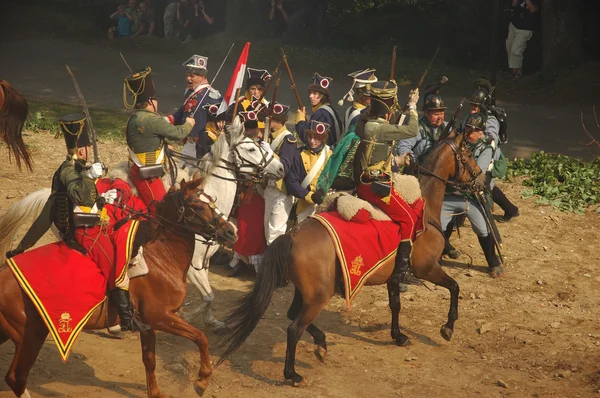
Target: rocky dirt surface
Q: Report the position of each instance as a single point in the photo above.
(532, 333)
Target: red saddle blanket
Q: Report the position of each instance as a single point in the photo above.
(65, 287)
(361, 247)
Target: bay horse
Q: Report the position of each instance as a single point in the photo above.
(157, 295)
(306, 256)
(13, 113)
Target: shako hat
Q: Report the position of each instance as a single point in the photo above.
(384, 97)
(74, 129)
(140, 86)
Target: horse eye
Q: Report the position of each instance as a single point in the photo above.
(252, 150)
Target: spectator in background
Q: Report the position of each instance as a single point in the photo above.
(202, 21)
(123, 27)
(147, 20)
(134, 12)
(169, 17)
(520, 30)
(185, 15)
(278, 18)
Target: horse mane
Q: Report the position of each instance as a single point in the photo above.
(219, 150)
(13, 113)
(435, 152)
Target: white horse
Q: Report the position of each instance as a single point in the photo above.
(234, 157)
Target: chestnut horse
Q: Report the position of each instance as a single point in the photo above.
(306, 256)
(157, 296)
(13, 112)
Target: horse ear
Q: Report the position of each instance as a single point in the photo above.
(183, 183)
(195, 184)
(196, 175)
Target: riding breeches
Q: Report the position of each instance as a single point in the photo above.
(278, 207)
(456, 205)
(151, 189)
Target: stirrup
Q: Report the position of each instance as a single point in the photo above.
(408, 278)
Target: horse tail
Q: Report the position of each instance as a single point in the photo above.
(271, 275)
(13, 113)
(29, 207)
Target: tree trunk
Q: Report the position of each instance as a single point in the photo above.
(561, 33)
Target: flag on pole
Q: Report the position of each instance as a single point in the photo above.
(237, 79)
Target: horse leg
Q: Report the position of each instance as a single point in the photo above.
(199, 278)
(317, 334)
(308, 313)
(393, 287)
(438, 276)
(26, 354)
(148, 341)
(173, 324)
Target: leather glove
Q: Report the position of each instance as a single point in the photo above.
(403, 160)
(110, 196)
(318, 196)
(96, 170)
(413, 98)
(266, 147)
(14, 252)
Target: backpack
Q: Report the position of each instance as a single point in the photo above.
(500, 114)
(500, 167)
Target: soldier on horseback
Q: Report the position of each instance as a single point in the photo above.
(359, 95)
(214, 128)
(146, 135)
(80, 214)
(373, 167)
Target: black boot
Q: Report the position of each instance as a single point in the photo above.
(489, 250)
(129, 320)
(449, 250)
(510, 210)
(401, 271)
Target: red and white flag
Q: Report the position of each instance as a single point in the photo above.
(237, 79)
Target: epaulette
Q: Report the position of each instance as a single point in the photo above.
(291, 139)
(214, 93)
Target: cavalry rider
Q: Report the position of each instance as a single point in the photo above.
(278, 204)
(431, 127)
(481, 102)
(198, 94)
(322, 111)
(456, 203)
(85, 218)
(358, 95)
(255, 87)
(373, 164)
(214, 128)
(307, 164)
(146, 135)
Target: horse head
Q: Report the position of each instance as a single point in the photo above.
(463, 170)
(250, 157)
(195, 212)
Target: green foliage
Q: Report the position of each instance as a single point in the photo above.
(567, 183)
(42, 121)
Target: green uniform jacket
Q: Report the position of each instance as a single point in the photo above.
(146, 131)
(70, 187)
(379, 134)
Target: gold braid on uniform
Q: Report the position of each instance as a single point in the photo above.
(385, 93)
(134, 93)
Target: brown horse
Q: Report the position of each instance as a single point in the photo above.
(306, 256)
(13, 112)
(157, 296)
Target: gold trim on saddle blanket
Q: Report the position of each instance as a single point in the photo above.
(356, 263)
(128, 250)
(63, 350)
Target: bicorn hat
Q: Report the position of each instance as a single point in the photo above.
(320, 84)
(319, 130)
(280, 112)
(257, 77)
(213, 114)
(361, 79)
(250, 119)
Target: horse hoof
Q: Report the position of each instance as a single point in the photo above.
(395, 334)
(402, 340)
(296, 380)
(446, 333)
(200, 386)
(321, 353)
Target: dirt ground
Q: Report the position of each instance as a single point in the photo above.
(534, 332)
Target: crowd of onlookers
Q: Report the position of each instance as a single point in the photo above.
(190, 19)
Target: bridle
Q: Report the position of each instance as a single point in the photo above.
(460, 165)
(190, 219)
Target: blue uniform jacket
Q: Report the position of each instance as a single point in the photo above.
(321, 115)
(295, 175)
(212, 97)
(420, 145)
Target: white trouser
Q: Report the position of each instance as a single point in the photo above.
(278, 207)
(189, 149)
(516, 42)
(309, 211)
(169, 19)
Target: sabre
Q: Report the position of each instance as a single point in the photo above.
(126, 64)
(87, 115)
(213, 80)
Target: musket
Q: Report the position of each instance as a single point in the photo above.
(88, 118)
(491, 223)
(418, 86)
(271, 108)
(452, 121)
(126, 64)
(393, 71)
(268, 86)
(289, 72)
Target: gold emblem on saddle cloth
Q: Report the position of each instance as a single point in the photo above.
(65, 323)
(356, 266)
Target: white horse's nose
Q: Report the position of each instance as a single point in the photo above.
(280, 171)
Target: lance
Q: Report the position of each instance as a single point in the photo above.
(393, 71)
(87, 115)
(126, 64)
